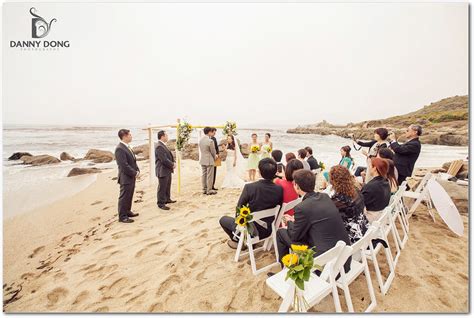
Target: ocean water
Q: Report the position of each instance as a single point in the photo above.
(25, 188)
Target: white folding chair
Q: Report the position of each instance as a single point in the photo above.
(318, 287)
(398, 214)
(275, 225)
(250, 241)
(380, 231)
(358, 266)
(421, 194)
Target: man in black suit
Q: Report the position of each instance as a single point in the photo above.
(407, 153)
(318, 222)
(259, 195)
(216, 145)
(313, 163)
(127, 174)
(164, 167)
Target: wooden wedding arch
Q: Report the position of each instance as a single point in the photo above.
(151, 148)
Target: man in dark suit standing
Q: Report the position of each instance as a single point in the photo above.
(407, 153)
(260, 195)
(128, 172)
(313, 163)
(318, 222)
(164, 167)
(216, 145)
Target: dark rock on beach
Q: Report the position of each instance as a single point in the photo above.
(64, 156)
(99, 156)
(81, 171)
(39, 160)
(18, 155)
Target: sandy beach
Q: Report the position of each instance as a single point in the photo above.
(73, 256)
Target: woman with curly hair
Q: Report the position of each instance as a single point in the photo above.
(349, 201)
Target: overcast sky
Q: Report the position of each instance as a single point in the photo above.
(257, 64)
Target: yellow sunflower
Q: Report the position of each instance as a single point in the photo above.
(244, 211)
(289, 259)
(240, 220)
(299, 248)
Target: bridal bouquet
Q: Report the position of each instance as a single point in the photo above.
(255, 149)
(300, 264)
(242, 217)
(184, 133)
(230, 128)
(322, 166)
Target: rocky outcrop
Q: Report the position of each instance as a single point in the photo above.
(444, 123)
(39, 160)
(142, 152)
(99, 156)
(81, 171)
(64, 156)
(18, 155)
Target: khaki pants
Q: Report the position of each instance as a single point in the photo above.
(207, 178)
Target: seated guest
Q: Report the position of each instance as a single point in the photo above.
(289, 156)
(313, 163)
(317, 220)
(377, 191)
(260, 195)
(346, 160)
(349, 201)
(289, 192)
(392, 175)
(277, 155)
(301, 157)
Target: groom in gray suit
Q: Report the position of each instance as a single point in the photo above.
(208, 157)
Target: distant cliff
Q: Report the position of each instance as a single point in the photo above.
(445, 122)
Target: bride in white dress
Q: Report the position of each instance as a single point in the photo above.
(235, 165)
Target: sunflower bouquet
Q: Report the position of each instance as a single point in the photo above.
(300, 264)
(243, 216)
(230, 128)
(322, 166)
(184, 133)
(267, 148)
(255, 148)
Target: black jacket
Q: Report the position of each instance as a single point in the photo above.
(406, 156)
(164, 161)
(313, 163)
(317, 223)
(216, 145)
(127, 164)
(262, 195)
(376, 194)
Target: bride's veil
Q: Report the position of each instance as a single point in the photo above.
(241, 165)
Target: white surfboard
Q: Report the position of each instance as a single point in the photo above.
(445, 207)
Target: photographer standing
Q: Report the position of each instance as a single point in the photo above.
(407, 153)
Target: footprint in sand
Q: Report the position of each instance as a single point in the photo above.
(36, 251)
(173, 280)
(105, 208)
(197, 222)
(114, 288)
(81, 297)
(141, 252)
(56, 295)
(96, 202)
(122, 234)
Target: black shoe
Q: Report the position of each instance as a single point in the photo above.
(132, 215)
(171, 201)
(214, 189)
(127, 220)
(163, 207)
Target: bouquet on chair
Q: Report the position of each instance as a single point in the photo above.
(255, 149)
(243, 216)
(300, 264)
